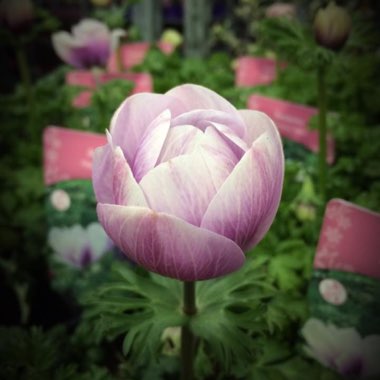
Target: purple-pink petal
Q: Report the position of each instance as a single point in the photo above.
(95, 53)
(180, 140)
(181, 187)
(126, 190)
(151, 145)
(202, 118)
(135, 114)
(102, 163)
(195, 97)
(169, 246)
(245, 205)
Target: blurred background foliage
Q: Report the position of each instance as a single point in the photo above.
(73, 340)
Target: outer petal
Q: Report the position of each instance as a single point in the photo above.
(134, 115)
(245, 205)
(89, 30)
(98, 240)
(112, 178)
(116, 34)
(169, 246)
(126, 190)
(93, 53)
(102, 165)
(182, 187)
(63, 44)
(321, 341)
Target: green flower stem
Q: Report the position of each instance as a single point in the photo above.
(322, 132)
(187, 336)
(25, 77)
(119, 58)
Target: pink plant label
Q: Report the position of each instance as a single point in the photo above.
(133, 54)
(143, 83)
(252, 71)
(349, 239)
(68, 155)
(292, 120)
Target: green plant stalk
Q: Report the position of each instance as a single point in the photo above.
(187, 336)
(322, 132)
(25, 77)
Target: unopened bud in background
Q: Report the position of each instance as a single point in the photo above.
(16, 13)
(101, 3)
(332, 26)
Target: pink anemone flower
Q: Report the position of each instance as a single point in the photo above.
(187, 183)
(89, 45)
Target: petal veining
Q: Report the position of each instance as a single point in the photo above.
(202, 118)
(180, 140)
(134, 115)
(126, 190)
(169, 246)
(151, 145)
(245, 205)
(181, 186)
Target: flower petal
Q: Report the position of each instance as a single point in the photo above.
(245, 205)
(320, 341)
(181, 187)
(180, 140)
(150, 147)
(130, 121)
(63, 44)
(169, 246)
(98, 240)
(202, 118)
(218, 153)
(102, 163)
(257, 123)
(89, 30)
(126, 191)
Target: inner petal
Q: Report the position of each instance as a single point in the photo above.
(181, 186)
(218, 155)
(180, 140)
(202, 118)
(150, 148)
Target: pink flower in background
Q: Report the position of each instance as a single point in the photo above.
(79, 246)
(186, 182)
(90, 44)
(342, 349)
(281, 10)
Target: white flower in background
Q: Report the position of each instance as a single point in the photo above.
(89, 45)
(342, 349)
(79, 246)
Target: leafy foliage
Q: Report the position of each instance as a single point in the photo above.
(247, 323)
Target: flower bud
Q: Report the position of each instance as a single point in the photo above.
(171, 36)
(171, 338)
(306, 212)
(17, 13)
(101, 3)
(332, 26)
